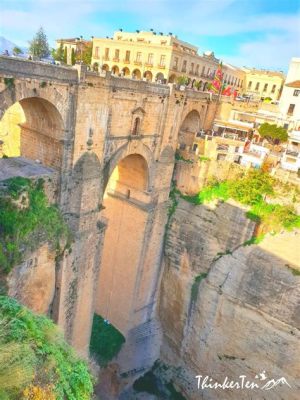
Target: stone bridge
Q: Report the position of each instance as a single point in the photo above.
(112, 142)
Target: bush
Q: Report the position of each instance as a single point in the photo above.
(35, 359)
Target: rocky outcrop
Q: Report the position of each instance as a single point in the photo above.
(33, 281)
(242, 318)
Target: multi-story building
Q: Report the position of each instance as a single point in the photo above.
(263, 84)
(161, 58)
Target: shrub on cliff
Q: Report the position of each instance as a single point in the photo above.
(27, 220)
(35, 361)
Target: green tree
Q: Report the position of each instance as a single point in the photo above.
(65, 57)
(17, 51)
(273, 133)
(182, 80)
(73, 57)
(86, 56)
(58, 54)
(39, 46)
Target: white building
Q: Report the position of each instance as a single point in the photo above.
(291, 157)
(289, 104)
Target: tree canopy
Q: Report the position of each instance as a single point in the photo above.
(58, 54)
(39, 46)
(16, 51)
(273, 133)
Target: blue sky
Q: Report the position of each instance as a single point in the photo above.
(255, 33)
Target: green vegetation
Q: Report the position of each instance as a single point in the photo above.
(35, 361)
(38, 46)
(9, 83)
(179, 157)
(195, 286)
(58, 54)
(155, 382)
(252, 189)
(106, 341)
(203, 158)
(73, 57)
(27, 220)
(273, 133)
(17, 51)
(295, 272)
(182, 80)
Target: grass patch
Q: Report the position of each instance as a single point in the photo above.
(35, 359)
(26, 226)
(106, 341)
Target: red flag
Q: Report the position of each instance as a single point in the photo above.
(227, 91)
(216, 83)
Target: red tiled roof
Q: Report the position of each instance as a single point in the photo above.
(295, 84)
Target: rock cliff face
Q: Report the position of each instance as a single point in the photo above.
(243, 317)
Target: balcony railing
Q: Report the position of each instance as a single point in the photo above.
(106, 58)
(292, 153)
(116, 59)
(126, 61)
(175, 68)
(149, 64)
(162, 66)
(136, 62)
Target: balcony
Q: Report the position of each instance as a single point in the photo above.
(191, 72)
(161, 66)
(183, 70)
(116, 59)
(136, 62)
(126, 61)
(175, 68)
(105, 58)
(148, 64)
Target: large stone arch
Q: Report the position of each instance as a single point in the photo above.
(124, 151)
(41, 129)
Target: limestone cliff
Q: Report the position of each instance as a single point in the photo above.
(241, 318)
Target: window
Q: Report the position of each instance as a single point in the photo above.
(265, 87)
(163, 60)
(192, 68)
(197, 70)
(150, 58)
(175, 62)
(286, 126)
(127, 56)
(138, 56)
(96, 52)
(195, 147)
(296, 92)
(106, 56)
(257, 86)
(273, 88)
(184, 66)
(136, 126)
(117, 54)
(291, 109)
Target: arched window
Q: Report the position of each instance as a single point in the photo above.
(136, 126)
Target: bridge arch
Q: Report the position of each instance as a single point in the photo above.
(33, 128)
(125, 214)
(189, 126)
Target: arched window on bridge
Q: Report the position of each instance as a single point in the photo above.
(136, 126)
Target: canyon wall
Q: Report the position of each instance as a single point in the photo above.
(229, 309)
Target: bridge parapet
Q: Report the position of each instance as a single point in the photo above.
(17, 67)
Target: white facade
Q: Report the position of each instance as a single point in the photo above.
(289, 104)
